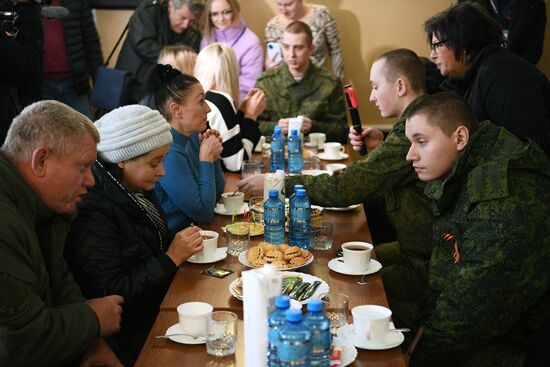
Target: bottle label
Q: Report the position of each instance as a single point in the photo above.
(320, 342)
(296, 353)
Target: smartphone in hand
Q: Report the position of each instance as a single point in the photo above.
(274, 48)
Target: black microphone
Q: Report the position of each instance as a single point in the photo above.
(54, 12)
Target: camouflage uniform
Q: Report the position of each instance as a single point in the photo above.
(483, 310)
(319, 96)
(386, 171)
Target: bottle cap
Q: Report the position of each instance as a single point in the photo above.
(301, 192)
(277, 130)
(315, 305)
(294, 132)
(273, 193)
(296, 187)
(282, 302)
(294, 316)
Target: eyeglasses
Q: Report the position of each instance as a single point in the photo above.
(436, 45)
(224, 13)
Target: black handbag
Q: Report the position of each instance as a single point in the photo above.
(111, 85)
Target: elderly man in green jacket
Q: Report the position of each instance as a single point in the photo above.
(489, 279)
(45, 165)
(397, 79)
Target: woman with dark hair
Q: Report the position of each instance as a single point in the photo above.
(468, 48)
(194, 177)
(119, 242)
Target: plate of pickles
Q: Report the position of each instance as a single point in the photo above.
(298, 286)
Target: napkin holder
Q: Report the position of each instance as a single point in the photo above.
(260, 287)
(274, 181)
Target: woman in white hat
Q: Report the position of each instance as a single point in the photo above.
(119, 242)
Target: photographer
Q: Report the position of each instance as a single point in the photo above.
(21, 47)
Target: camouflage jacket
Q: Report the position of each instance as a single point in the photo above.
(319, 96)
(385, 171)
(43, 318)
(495, 204)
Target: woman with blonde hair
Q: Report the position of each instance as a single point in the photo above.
(180, 57)
(216, 70)
(222, 23)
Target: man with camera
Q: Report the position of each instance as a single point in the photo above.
(21, 47)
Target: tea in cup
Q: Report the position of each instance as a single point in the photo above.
(371, 322)
(193, 317)
(357, 255)
(209, 245)
(318, 139)
(333, 150)
(233, 203)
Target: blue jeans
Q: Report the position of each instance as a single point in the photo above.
(64, 91)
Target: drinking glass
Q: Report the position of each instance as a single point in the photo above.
(336, 309)
(221, 333)
(251, 168)
(256, 204)
(238, 238)
(311, 163)
(266, 147)
(321, 235)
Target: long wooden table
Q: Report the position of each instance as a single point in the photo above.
(190, 285)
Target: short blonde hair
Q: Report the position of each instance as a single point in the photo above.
(207, 26)
(48, 124)
(217, 68)
(180, 57)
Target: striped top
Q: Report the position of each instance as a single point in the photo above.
(325, 37)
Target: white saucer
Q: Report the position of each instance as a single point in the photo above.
(342, 209)
(349, 352)
(315, 172)
(183, 339)
(220, 209)
(341, 156)
(339, 267)
(220, 254)
(393, 339)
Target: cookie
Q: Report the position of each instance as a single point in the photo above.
(273, 255)
(292, 252)
(306, 254)
(281, 264)
(297, 261)
(283, 247)
(258, 263)
(254, 253)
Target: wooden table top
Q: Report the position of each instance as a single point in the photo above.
(190, 285)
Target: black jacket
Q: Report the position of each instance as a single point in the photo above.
(509, 91)
(82, 43)
(114, 248)
(149, 31)
(20, 64)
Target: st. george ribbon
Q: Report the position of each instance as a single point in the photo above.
(351, 98)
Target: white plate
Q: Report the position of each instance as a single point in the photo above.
(183, 339)
(342, 209)
(321, 289)
(349, 352)
(220, 209)
(315, 172)
(245, 262)
(339, 267)
(393, 339)
(220, 254)
(293, 303)
(340, 157)
(251, 235)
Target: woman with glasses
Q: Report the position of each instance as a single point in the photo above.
(222, 22)
(468, 48)
(322, 25)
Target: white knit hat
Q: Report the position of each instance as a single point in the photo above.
(130, 131)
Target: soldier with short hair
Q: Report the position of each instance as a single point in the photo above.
(489, 279)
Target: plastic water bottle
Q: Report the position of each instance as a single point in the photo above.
(295, 160)
(291, 198)
(277, 159)
(319, 325)
(294, 346)
(300, 221)
(274, 218)
(276, 320)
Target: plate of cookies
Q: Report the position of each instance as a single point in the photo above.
(283, 256)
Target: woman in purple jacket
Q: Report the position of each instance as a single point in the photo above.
(222, 22)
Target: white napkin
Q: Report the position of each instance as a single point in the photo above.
(295, 123)
(260, 287)
(274, 181)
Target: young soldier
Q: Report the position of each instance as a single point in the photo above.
(489, 276)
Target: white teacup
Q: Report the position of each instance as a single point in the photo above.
(333, 167)
(333, 150)
(193, 317)
(371, 322)
(233, 203)
(357, 255)
(318, 138)
(209, 245)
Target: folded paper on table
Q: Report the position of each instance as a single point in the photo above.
(274, 181)
(260, 287)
